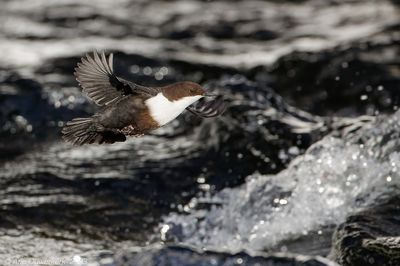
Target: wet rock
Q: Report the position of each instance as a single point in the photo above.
(184, 256)
(370, 237)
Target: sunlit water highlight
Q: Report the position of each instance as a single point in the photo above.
(335, 177)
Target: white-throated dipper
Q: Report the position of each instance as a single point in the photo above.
(130, 109)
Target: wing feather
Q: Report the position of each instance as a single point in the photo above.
(208, 108)
(96, 76)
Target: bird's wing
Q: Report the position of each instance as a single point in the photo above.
(97, 78)
(208, 108)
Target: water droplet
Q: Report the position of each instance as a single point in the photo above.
(135, 69)
(205, 187)
(283, 201)
(71, 98)
(164, 230)
(294, 150)
(164, 71)
(158, 76)
(147, 70)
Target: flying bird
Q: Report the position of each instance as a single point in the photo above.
(129, 109)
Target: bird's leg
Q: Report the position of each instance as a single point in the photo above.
(129, 130)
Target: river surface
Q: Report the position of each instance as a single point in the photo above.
(310, 136)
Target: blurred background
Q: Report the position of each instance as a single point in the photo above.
(304, 161)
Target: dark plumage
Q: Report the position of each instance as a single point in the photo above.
(129, 109)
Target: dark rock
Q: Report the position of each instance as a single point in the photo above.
(370, 237)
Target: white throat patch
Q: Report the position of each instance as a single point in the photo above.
(164, 110)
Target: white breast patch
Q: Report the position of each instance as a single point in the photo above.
(164, 110)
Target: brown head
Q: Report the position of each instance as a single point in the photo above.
(179, 90)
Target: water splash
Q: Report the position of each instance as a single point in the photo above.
(333, 178)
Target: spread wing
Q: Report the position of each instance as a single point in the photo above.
(97, 78)
(206, 109)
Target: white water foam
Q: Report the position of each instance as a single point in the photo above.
(332, 179)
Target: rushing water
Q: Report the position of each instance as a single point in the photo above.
(310, 135)
(335, 177)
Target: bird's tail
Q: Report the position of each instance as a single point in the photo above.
(81, 131)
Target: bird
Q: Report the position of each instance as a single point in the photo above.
(129, 109)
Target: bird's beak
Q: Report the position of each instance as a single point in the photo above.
(210, 95)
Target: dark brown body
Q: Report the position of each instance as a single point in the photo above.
(124, 111)
(130, 115)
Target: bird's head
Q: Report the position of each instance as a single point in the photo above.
(184, 94)
(182, 90)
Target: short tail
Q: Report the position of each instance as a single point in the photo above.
(81, 131)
